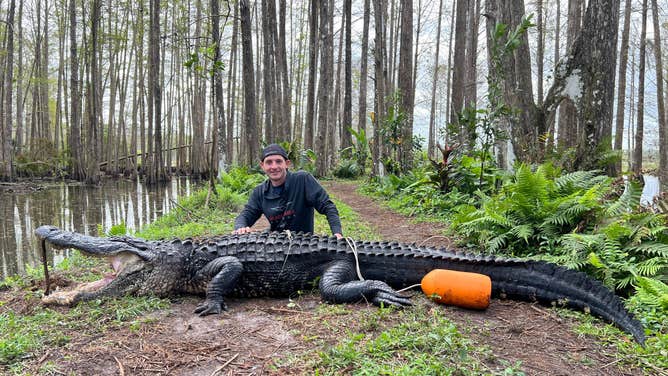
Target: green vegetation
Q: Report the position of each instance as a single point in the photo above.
(415, 342)
(582, 220)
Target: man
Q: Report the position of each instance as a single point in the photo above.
(287, 199)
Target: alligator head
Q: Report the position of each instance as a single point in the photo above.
(139, 267)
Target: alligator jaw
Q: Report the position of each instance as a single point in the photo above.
(119, 263)
(91, 246)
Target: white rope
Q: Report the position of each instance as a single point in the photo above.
(410, 287)
(353, 246)
(287, 253)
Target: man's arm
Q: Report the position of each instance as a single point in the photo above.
(249, 215)
(317, 195)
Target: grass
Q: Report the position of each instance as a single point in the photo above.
(386, 341)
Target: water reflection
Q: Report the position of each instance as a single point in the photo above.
(80, 208)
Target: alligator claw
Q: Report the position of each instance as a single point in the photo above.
(209, 307)
(391, 299)
(386, 295)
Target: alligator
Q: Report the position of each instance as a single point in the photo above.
(277, 264)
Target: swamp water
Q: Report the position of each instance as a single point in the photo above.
(80, 208)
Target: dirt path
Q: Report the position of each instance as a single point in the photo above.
(262, 336)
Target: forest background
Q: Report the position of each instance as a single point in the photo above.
(93, 88)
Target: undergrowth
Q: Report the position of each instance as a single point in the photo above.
(582, 220)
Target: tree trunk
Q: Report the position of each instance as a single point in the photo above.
(19, 84)
(364, 64)
(458, 72)
(431, 140)
(7, 161)
(232, 85)
(347, 122)
(569, 129)
(636, 164)
(380, 56)
(405, 85)
(540, 50)
(157, 172)
(75, 100)
(325, 87)
(93, 99)
(221, 138)
(621, 87)
(250, 122)
(471, 55)
(283, 80)
(309, 126)
(663, 130)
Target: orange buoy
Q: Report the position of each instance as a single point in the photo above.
(463, 289)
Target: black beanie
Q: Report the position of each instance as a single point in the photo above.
(273, 149)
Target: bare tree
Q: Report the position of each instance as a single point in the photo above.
(621, 87)
(347, 121)
(309, 126)
(7, 161)
(219, 132)
(78, 171)
(569, 129)
(663, 127)
(458, 70)
(540, 50)
(250, 122)
(405, 83)
(325, 86)
(93, 99)
(432, 114)
(157, 173)
(364, 63)
(380, 68)
(636, 163)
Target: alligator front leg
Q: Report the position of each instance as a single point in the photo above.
(339, 284)
(223, 272)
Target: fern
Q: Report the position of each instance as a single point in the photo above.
(628, 201)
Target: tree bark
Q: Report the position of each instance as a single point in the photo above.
(380, 86)
(309, 126)
(158, 172)
(458, 72)
(325, 87)
(621, 87)
(431, 140)
(93, 99)
(347, 122)
(7, 168)
(250, 122)
(636, 164)
(405, 85)
(364, 64)
(220, 145)
(569, 129)
(661, 110)
(74, 139)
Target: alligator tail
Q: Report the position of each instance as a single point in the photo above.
(552, 284)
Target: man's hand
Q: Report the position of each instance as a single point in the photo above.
(243, 230)
(338, 236)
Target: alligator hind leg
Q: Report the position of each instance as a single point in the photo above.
(339, 284)
(223, 272)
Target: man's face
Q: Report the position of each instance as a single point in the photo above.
(276, 168)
